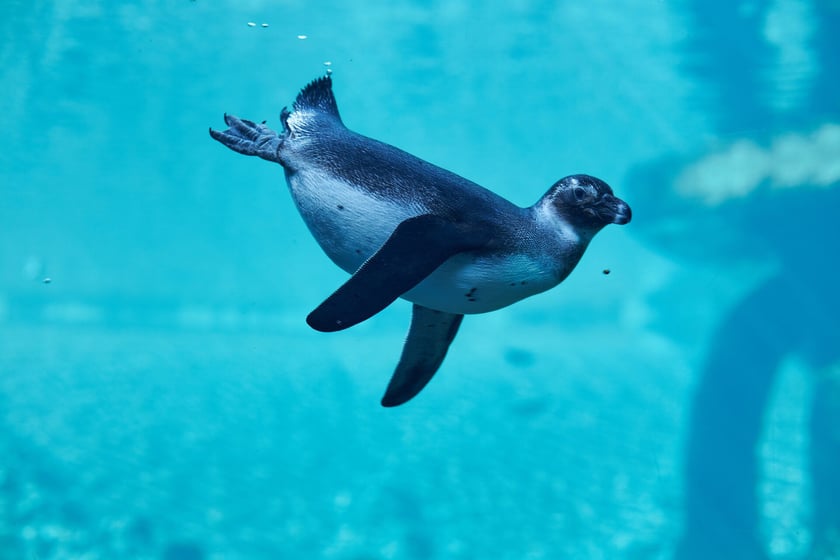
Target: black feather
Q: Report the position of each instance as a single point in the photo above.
(318, 96)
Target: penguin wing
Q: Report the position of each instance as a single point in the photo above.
(429, 337)
(413, 251)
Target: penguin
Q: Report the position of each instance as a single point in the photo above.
(405, 228)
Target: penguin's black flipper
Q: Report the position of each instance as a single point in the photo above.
(429, 337)
(413, 251)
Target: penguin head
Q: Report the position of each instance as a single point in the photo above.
(586, 203)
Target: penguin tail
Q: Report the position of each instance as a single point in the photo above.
(318, 96)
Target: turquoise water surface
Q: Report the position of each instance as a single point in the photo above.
(162, 397)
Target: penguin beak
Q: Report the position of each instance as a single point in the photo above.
(621, 213)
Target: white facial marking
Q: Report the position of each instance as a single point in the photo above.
(546, 215)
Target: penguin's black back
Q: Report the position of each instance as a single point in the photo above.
(378, 168)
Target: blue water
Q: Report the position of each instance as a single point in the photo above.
(162, 397)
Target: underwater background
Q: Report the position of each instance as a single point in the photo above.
(161, 396)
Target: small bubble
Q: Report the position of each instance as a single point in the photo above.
(327, 63)
(301, 37)
(251, 24)
(606, 271)
(47, 280)
(264, 25)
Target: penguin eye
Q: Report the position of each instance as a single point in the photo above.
(579, 193)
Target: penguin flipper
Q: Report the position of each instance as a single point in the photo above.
(413, 251)
(429, 337)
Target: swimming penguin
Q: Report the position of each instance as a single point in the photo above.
(403, 227)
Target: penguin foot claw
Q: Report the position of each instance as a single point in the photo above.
(249, 138)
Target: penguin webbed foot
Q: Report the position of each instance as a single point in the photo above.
(249, 138)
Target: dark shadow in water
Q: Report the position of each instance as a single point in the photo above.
(775, 320)
(183, 551)
(794, 312)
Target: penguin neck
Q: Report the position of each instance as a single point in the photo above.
(548, 218)
(561, 239)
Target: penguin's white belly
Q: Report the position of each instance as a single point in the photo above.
(350, 225)
(469, 283)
